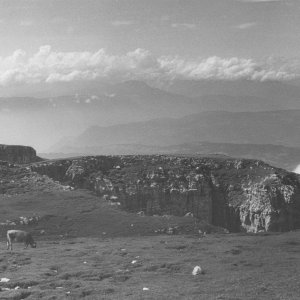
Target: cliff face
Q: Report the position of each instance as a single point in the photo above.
(240, 195)
(18, 154)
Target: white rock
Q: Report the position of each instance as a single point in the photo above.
(145, 289)
(189, 214)
(134, 262)
(4, 279)
(197, 270)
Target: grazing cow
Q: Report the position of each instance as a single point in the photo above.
(19, 236)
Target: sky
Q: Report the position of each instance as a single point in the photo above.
(52, 47)
(71, 40)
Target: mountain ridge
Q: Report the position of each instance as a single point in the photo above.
(273, 127)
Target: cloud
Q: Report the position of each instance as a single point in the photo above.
(228, 69)
(246, 25)
(48, 66)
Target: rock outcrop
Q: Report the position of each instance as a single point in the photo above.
(238, 194)
(18, 154)
(16, 180)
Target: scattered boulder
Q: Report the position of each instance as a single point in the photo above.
(172, 230)
(189, 214)
(197, 270)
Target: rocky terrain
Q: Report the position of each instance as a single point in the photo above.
(18, 154)
(278, 156)
(238, 194)
(133, 227)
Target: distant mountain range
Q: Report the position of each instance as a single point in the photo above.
(273, 136)
(279, 94)
(173, 100)
(272, 127)
(103, 116)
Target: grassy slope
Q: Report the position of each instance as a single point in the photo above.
(235, 267)
(80, 213)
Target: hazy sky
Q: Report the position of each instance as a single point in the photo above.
(46, 45)
(68, 40)
(189, 28)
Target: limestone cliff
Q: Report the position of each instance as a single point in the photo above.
(18, 154)
(238, 194)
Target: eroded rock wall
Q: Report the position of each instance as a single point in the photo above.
(238, 194)
(18, 154)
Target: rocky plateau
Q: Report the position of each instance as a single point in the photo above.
(18, 154)
(237, 194)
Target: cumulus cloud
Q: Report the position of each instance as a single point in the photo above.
(219, 68)
(48, 66)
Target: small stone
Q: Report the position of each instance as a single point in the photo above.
(197, 270)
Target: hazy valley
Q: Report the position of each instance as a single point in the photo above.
(249, 111)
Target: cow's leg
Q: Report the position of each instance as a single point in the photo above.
(26, 245)
(9, 244)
